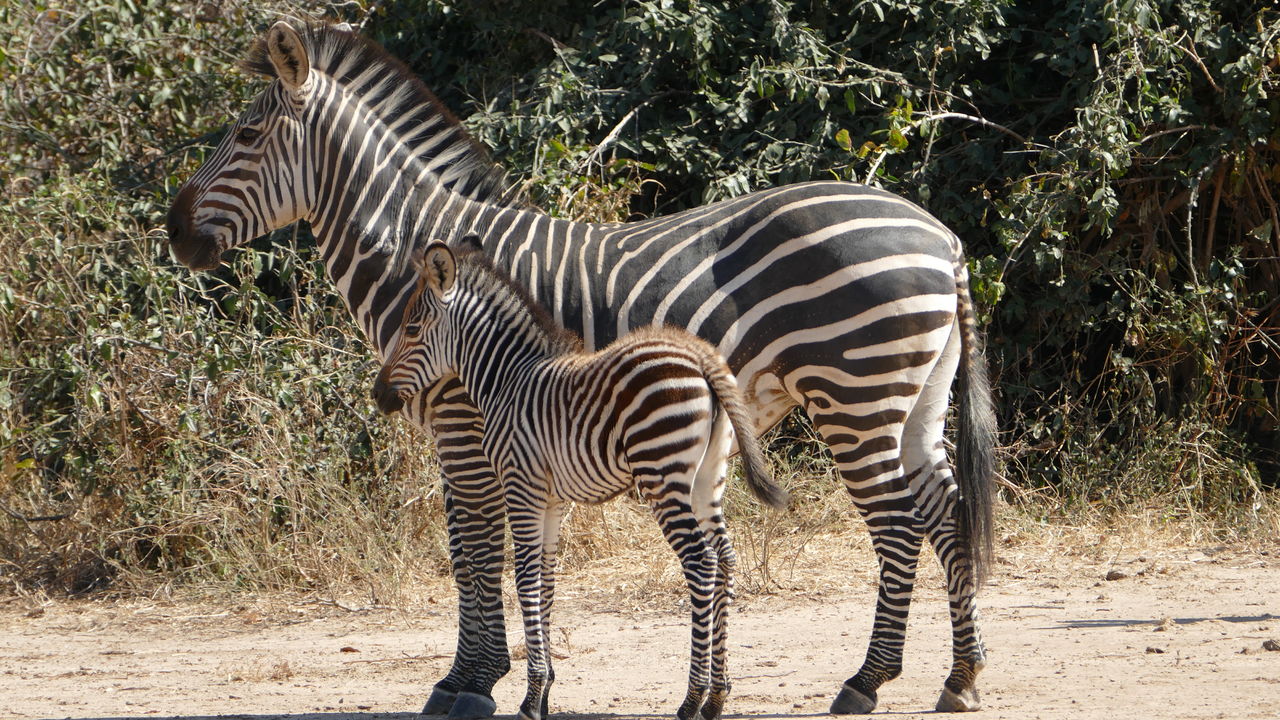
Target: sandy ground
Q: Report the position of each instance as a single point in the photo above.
(1174, 633)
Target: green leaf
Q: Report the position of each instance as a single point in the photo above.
(842, 139)
(897, 140)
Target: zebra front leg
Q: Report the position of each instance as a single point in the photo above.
(475, 512)
(551, 525)
(527, 527)
(896, 537)
(445, 692)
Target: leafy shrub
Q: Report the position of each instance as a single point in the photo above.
(1109, 164)
(157, 423)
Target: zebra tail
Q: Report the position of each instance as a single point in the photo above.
(759, 479)
(975, 437)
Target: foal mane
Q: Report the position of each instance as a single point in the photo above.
(485, 277)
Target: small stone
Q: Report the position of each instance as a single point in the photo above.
(1116, 575)
(1165, 625)
(1154, 650)
(1272, 645)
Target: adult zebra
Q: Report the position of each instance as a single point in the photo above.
(845, 300)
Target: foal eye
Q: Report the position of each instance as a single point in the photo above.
(248, 134)
(413, 329)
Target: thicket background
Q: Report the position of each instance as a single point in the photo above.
(1110, 165)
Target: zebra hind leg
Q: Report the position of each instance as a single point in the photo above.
(707, 498)
(959, 692)
(727, 561)
(871, 469)
(670, 505)
(897, 545)
(934, 486)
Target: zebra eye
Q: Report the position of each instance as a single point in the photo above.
(413, 329)
(248, 134)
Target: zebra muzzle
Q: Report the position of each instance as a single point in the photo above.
(388, 400)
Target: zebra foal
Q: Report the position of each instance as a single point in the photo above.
(653, 410)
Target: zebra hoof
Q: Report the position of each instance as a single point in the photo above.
(712, 709)
(688, 710)
(852, 702)
(440, 702)
(966, 701)
(472, 706)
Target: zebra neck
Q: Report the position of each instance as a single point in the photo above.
(499, 345)
(366, 237)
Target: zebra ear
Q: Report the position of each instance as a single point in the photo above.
(288, 55)
(440, 268)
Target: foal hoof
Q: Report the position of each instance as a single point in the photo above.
(440, 702)
(966, 701)
(852, 702)
(472, 706)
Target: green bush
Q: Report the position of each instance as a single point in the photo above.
(157, 423)
(1109, 165)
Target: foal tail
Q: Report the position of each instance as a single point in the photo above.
(725, 387)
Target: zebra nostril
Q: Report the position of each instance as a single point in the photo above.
(386, 398)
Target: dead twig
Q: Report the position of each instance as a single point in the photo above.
(973, 119)
(33, 518)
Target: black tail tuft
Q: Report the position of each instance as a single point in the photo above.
(975, 441)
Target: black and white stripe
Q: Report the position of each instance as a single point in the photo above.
(844, 300)
(652, 410)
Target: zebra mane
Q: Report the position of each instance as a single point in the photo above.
(345, 56)
(480, 274)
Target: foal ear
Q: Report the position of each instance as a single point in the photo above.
(440, 268)
(288, 55)
(418, 259)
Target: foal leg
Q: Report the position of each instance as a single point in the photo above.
(527, 516)
(707, 497)
(668, 498)
(552, 521)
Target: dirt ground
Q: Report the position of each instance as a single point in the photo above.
(1166, 632)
